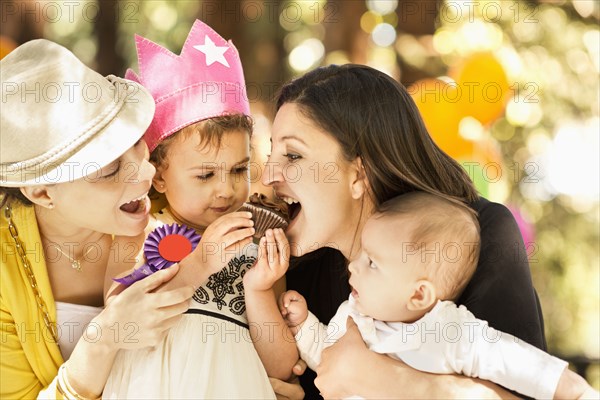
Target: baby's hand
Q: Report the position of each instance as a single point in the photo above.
(273, 262)
(293, 309)
(223, 239)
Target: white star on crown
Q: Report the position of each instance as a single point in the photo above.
(213, 52)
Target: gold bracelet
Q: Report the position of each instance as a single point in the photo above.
(65, 388)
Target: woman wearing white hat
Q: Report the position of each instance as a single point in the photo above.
(73, 172)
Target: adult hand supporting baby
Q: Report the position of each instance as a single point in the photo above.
(349, 368)
(290, 389)
(342, 360)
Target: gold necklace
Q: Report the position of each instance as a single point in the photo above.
(75, 263)
(20, 246)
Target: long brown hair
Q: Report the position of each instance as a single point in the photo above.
(373, 117)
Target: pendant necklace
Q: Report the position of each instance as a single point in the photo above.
(75, 264)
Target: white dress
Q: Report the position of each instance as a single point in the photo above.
(71, 321)
(208, 355)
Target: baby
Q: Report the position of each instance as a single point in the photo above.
(402, 303)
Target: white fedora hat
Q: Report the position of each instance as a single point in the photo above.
(62, 121)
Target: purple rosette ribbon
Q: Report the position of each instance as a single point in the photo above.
(164, 246)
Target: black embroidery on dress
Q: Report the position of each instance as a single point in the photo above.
(201, 296)
(228, 281)
(241, 261)
(238, 305)
(240, 286)
(221, 285)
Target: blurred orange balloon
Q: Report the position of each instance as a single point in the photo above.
(438, 103)
(6, 46)
(484, 87)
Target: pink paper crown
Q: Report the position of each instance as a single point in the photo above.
(206, 80)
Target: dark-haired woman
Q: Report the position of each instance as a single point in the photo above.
(346, 139)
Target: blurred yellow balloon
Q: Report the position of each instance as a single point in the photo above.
(438, 103)
(483, 85)
(6, 46)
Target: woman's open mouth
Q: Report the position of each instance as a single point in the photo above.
(137, 206)
(294, 207)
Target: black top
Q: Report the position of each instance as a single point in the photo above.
(500, 292)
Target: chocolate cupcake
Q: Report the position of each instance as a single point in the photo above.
(266, 214)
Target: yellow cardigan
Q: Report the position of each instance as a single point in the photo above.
(29, 358)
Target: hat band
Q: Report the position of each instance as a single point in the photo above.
(57, 155)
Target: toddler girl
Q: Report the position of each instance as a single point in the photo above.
(200, 144)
